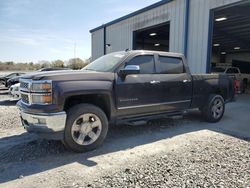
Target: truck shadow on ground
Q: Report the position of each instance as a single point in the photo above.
(39, 155)
(9, 102)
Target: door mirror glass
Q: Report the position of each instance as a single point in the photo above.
(129, 69)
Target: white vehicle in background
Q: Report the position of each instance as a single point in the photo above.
(243, 78)
(235, 73)
(15, 91)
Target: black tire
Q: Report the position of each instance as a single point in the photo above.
(208, 111)
(72, 115)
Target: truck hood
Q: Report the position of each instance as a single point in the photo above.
(71, 75)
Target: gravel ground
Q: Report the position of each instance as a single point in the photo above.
(9, 114)
(9, 117)
(219, 161)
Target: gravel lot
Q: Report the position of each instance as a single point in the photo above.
(166, 153)
(9, 115)
(211, 162)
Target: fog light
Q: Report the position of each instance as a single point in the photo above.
(41, 121)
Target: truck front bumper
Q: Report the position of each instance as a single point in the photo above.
(50, 125)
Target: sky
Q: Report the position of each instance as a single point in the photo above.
(35, 30)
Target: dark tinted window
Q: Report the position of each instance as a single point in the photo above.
(171, 65)
(232, 70)
(146, 63)
(218, 69)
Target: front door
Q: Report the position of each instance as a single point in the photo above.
(137, 94)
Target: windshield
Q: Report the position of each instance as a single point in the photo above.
(218, 69)
(106, 63)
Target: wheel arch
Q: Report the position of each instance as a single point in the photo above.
(102, 101)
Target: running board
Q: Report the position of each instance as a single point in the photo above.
(142, 120)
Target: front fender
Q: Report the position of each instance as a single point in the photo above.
(77, 88)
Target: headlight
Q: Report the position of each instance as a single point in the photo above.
(36, 92)
(41, 98)
(45, 86)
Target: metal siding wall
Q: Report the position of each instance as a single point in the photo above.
(120, 35)
(97, 44)
(198, 32)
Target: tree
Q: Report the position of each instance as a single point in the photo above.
(58, 63)
(37, 66)
(11, 63)
(89, 60)
(76, 63)
(44, 64)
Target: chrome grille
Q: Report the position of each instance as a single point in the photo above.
(25, 98)
(24, 85)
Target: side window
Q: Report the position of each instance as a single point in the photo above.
(146, 63)
(170, 65)
(231, 70)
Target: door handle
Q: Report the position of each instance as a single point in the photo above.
(155, 82)
(185, 81)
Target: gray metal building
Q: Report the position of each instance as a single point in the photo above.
(209, 32)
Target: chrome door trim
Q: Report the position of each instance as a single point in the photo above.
(150, 105)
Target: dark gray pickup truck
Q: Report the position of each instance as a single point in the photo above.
(77, 107)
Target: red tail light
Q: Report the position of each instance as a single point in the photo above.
(236, 86)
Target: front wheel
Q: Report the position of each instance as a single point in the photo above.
(214, 109)
(86, 128)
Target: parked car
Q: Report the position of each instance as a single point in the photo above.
(15, 79)
(244, 67)
(4, 79)
(234, 72)
(119, 88)
(15, 91)
(53, 69)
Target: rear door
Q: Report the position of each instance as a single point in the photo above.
(175, 83)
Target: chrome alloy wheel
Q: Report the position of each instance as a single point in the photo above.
(86, 129)
(217, 108)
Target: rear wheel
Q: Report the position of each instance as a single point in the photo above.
(214, 109)
(86, 128)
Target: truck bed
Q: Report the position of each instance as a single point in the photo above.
(203, 84)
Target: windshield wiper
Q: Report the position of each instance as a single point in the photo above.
(89, 69)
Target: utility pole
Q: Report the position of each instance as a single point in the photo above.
(75, 52)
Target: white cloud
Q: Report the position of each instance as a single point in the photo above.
(27, 41)
(14, 7)
(55, 51)
(32, 37)
(20, 39)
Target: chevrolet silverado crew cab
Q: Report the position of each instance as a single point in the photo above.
(77, 107)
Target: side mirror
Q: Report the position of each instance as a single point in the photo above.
(129, 69)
